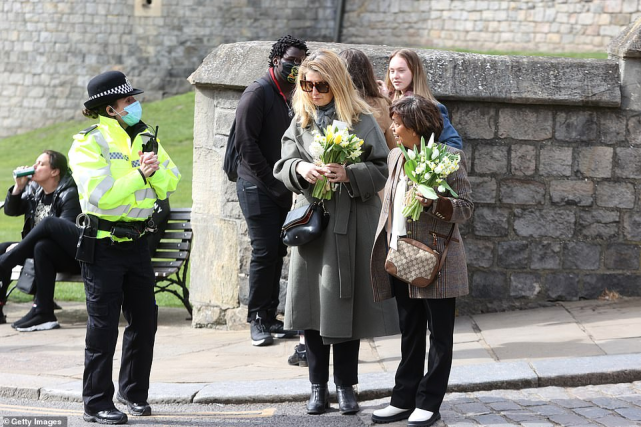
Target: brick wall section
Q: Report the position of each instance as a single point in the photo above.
(556, 193)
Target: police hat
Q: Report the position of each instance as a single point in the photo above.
(108, 87)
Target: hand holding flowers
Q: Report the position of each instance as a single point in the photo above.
(336, 147)
(427, 168)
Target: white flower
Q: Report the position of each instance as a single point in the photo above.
(411, 154)
(441, 189)
(435, 153)
(438, 169)
(316, 149)
(431, 143)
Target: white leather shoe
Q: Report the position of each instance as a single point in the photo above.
(422, 418)
(390, 414)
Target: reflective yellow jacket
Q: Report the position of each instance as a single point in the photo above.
(104, 164)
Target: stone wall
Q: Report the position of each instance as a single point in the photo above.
(554, 158)
(486, 25)
(51, 48)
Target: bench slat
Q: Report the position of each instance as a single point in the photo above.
(174, 216)
(162, 264)
(171, 254)
(164, 272)
(174, 245)
(178, 226)
(187, 235)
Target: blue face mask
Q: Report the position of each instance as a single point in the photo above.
(134, 113)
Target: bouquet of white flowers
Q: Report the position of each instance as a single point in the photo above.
(427, 169)
(336, 146)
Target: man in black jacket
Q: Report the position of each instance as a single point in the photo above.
(263, 199)
(49, 202)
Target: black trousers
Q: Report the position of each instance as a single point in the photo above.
(413, 387)
(121, 277)
(264, 219)
(345, 360)
(52, 245)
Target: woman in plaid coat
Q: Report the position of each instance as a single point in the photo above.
(416, 395)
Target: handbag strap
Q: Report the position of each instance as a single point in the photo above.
(445, 249)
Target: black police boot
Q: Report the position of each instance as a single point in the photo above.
(136, 409)
(319, 399)
(108, 416)
(347, 403)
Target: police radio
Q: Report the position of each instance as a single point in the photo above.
(152, 142)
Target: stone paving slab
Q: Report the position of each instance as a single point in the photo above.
(588, 370)
(553, 346)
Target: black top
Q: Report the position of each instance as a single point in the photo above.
(64, 202)
(258, 139)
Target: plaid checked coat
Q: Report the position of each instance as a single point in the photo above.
(437, 219)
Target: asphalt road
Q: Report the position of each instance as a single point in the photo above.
(603, 405)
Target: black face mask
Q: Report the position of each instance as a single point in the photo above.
(289, 71)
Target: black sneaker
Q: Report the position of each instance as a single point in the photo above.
(37, 322)
(276, 328)
(260, 333)
(299, 357)
(26, 318)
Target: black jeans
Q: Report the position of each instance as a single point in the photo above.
(52, 245)
(345, 360)
(264, 219)
(414, 387)
(121, 277)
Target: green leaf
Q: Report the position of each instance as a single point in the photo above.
(427, 192)
(446, 185)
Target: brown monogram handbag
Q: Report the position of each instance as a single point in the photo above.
(415, 262)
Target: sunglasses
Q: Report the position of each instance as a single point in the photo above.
(307, 86)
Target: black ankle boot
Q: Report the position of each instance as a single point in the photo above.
(3, 318)
(319, 400)
(347, 403)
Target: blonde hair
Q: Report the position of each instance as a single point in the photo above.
(419, 84)
(332, 68)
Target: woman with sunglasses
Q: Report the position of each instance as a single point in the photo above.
(406, 76)
(329, 294)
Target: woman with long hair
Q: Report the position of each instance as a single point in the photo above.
(362, 72)
(329, 294)
(406, 76)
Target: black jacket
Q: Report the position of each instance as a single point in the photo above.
(259, 130)
(65, 204)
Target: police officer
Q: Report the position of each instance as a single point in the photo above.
(121, 170)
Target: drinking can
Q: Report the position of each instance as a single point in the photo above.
(20, 172)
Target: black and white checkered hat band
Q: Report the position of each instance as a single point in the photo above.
(119, 90)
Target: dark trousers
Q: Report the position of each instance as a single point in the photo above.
(52, 245)
(264, 219)
(414, 387)
(121, 277)
(345, 360)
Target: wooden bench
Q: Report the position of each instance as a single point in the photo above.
(170, 260)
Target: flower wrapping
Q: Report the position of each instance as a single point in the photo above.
(426, 170)
(335, 146)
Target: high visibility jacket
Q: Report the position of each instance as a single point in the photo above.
(105, 162)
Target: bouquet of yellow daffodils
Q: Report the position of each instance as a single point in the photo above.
(336, 146)
(427, 169)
